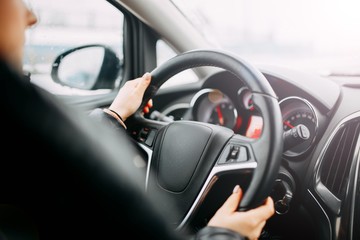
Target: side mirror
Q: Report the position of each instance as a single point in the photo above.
(88, 67)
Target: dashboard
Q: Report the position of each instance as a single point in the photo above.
(321, 128)
(213, 106)
(223, 100)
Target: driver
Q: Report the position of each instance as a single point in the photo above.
(15, 18)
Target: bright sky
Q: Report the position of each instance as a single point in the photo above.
(325, 23)
(327, 31)
(256, 27)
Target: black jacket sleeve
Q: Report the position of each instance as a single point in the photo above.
(100, 116)
(217, 233)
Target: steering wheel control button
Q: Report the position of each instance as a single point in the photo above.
(233, 154)
(144, 135)
(243, 155)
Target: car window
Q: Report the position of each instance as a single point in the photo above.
(321, 36)
(66, 24)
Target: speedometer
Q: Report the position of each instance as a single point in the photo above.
(298, 111)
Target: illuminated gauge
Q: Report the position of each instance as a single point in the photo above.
(224, 114)
(299, 112)
(213, 106)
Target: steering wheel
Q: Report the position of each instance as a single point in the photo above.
(192, 165)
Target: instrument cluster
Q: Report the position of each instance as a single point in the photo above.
(300, 122)
(214, 106)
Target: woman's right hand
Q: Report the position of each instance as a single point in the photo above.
(129, 98)
(249, 223)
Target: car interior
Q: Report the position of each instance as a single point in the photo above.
(276, 131)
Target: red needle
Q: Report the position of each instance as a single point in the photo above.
(220, 116)
(287, 123)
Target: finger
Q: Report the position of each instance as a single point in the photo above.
(265, 211)
(150, 103)
(144, 83)
(134, 82)
(269, 203)
(233, 201)
(146, 109)
(268, 207)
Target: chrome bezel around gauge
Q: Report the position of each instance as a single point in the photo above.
(205, 102)
(297, 110)
(245, 97)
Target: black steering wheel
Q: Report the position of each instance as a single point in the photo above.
(82, 172)
(194, 165)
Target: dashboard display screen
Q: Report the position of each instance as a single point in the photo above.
(255, 127)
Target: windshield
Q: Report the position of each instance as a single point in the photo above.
(318, 35)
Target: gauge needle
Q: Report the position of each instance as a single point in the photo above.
(220, 116)
(288, 124)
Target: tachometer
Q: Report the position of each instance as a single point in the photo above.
(223, 114)
(298, 111)
(213, 106)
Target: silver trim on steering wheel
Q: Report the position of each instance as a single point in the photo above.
(211, 179)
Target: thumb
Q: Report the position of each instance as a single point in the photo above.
(144, 82)
(233, 201)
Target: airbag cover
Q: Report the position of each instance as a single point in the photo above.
(183, 145)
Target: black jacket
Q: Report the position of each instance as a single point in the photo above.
(63, 175)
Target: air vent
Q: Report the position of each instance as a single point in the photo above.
(338, 158)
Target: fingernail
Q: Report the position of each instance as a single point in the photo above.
(236, 189)
(146, 75)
